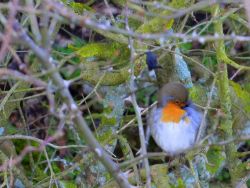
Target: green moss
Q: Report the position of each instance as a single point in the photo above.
(198, 95)
(225, 100)
(243, 95)
(103, 50)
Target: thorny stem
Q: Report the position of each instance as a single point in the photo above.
(80, 124)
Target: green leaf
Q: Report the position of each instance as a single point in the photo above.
(215, 159)
(224, 176)
(67, 184)
(186, 46)
(79, 8)
(209, 61)
(78, 42)
(243, 96)
(10, 129)
(180, 183)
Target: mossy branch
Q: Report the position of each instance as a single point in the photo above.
(225, 100)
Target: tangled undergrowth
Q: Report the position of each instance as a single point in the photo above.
(76, 93)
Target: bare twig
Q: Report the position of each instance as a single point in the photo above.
(243, 181)
(247, 7)
(203, 126)
(134, 119)
(43, 142)
(34, 22)
(195, 175)
(8, 73)
(136, 107)
(8, 29)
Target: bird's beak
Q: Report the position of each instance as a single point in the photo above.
(183, 104)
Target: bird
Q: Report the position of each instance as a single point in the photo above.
(151, 60)
(175, 120)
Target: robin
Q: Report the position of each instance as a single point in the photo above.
(175, 120)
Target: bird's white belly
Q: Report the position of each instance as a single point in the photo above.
(173, 138)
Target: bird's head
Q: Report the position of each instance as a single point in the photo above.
(173, 92)
(172, 98)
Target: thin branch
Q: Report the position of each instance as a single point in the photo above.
(8, 73)
(203, 125)
(134, 119)
(136, 107)
(243, 181)
(195, 175)
(179, 13)
(93, 91)
(8, 30)
(42, 142)
(34, 22)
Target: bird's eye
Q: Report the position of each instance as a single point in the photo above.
(177, 102)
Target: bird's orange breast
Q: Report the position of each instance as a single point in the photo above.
(172, 113)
